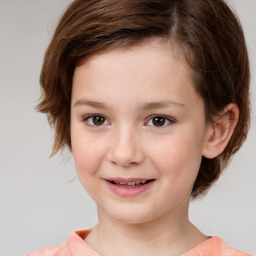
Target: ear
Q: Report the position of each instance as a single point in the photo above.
(220, 131)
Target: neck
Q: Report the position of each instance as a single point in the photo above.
(168, 235)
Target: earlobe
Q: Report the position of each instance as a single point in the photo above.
(220, 131)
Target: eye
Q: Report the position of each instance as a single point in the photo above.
(160, 121)
(95, 120)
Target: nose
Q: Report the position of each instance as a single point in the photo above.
(126, 147)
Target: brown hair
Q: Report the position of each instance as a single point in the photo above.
(207, 32)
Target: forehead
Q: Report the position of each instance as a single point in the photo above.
(152, 49)
(150, 68)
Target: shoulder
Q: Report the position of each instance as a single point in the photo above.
(215, 246)
(61, 250)
(229, 251)
(74, 245)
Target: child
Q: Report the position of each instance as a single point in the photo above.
(152, 99)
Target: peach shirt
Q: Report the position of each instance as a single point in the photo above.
(76, 246)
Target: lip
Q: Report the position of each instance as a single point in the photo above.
(128, 191)
(132, 179)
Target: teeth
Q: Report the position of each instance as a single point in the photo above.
(129, 184)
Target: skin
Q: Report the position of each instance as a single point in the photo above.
(127, 87)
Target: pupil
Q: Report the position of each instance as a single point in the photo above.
(158, 121)
(98, 120)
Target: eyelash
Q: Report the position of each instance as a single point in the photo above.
(165, 118)
(87, 118)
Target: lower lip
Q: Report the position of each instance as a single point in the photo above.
(129, 191)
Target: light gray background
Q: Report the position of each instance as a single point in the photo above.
(39, 206)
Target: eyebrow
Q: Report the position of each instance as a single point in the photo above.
(161, 104)
(94, 104)
(146, 106)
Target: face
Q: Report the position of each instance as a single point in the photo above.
(137, 132)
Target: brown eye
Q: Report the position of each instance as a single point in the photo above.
(98, 120)
(158, 121)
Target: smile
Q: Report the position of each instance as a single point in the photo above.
(131, 184)
(129, 187)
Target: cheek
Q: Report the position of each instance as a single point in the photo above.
(88, 153)
(179, 156)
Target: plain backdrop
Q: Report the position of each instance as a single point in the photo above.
(41, 200)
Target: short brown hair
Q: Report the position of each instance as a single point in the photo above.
(207, 32)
